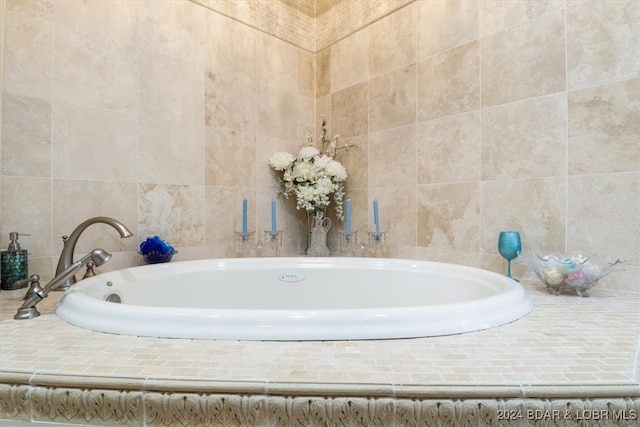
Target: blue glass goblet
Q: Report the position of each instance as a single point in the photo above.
(509, 247)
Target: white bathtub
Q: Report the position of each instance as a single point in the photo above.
(295, 299)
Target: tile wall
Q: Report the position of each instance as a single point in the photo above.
(467, 117)
(474, 117)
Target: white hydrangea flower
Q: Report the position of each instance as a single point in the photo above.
(308, 152)
(302, 171)
(336, 170)
(322, 161)
(281, 160)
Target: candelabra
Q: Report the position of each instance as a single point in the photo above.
(246, 246)
(376, 246)
(349, 243)
(273, 242)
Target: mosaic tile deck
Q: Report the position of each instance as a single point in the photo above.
(570, 353)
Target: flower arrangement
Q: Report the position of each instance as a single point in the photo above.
(312, 176)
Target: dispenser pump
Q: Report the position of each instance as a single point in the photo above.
(13, 244)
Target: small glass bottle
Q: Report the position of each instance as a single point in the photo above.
(14, 264)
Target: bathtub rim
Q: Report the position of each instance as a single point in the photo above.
(79, 309)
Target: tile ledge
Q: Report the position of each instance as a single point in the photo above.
(324, 389)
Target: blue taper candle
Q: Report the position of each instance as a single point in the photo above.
(347, 219)
(273, 217)
(376, 217)
(244, 216)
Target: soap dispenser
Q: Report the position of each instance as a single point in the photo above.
(14, 264)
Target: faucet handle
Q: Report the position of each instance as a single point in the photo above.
(32, 278)
(34, 285)
(90, 271)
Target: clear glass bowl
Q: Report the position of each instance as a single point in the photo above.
(577, 271)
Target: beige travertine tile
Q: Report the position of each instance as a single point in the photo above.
(238, 57)
(443, 25)
(323, 113)
(350, 61)
(170, 152)
(44, 267)
(449, 83)
(397, 211)
(25, 208)
(230, 46)
(602, 215)
(494, 262)
(392, 155)
(524, 61)
(323, 73)
(345, 17)
(91, 199)
(229, 158)
(174, 28)
(306, 74)
(525, 139)
(624, 279)
(93, 143)
(174, 212)
(223, 213)
(392, 42)
(449, 216)
(120, 259)
(449, 149)
(602, 42)
(454, 256)
(355, 161)
(392, 99)
(182, 82)
(95, 54)
(604, 128)
(115, 16)
(534, 207)
(26, 136)
(230, 101)
(274, 112)
(27, 55)
(497, 15)
(305, 117)
(349, 111)
(276, 63)
(40, 9)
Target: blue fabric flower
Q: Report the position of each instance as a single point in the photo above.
(155, 245)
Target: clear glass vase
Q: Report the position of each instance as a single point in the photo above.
(318, 227)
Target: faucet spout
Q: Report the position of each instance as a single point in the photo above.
(66, 257)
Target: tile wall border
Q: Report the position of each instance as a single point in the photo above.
(129, 401)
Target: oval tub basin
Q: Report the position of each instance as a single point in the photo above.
(294, 299)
